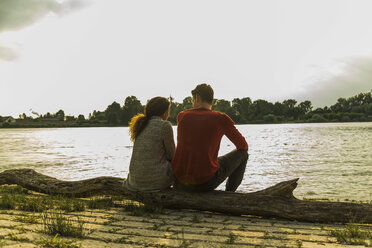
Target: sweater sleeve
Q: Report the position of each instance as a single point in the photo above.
(168, 140)
(233, 134)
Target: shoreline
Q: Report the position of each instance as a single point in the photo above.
(53, 125)
(117, 222)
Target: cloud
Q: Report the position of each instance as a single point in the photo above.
(354, 77)
(18, 14)
(8, 54)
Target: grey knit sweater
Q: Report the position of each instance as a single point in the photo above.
(150, 167)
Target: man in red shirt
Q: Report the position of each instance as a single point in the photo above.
(196, 164)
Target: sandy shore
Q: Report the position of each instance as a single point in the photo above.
(122, 227)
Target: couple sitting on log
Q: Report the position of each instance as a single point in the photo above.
(193, 166)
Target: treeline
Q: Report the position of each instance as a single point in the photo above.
(241, 110)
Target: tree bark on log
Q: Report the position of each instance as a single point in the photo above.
(274, 202)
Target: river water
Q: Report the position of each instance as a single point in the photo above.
(332, 160)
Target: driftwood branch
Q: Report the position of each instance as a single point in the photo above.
(276, 201)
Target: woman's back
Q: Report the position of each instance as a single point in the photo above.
(150, 167)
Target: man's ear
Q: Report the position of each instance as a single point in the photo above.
(197, 99)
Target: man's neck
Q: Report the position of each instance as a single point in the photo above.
(204, 105)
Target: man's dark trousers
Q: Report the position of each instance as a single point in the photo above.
(232, 167)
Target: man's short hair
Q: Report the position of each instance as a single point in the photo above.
(205, 92)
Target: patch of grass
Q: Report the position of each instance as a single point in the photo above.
(101, 203)
(13, 189)
(184, 244)
(23, 202)
(196, 219)
(266, 235)
(157, 245)
(352, 234)
(71, 204)
(121, 240)
(138, 209)
(299, 243)
(57, 243)
(32, 219)
(34, 204)
(7, 202)
(155, 227)
(14, 237)
(2, 243)
(231, 238)
(56, 223)
(242, 227)
(113, 230)
(21, 229)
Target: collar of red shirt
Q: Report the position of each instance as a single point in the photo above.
(201, 108)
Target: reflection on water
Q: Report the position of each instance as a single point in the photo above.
(332, 160)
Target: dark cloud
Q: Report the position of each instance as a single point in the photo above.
(17, 14)
(356, 77)
(7, 53)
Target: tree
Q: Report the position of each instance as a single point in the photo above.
(60, 115)
(289, 109)
(113, 113)
(305, 107)
(259, 109)
(278, 109)
(187, 103)
(132, 106)
(342, 105)
(241, 107)
(175, 109)
(70, 118)
(81, 118)
(98, 116)
(224, 106)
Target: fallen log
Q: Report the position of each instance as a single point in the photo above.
(277, 201)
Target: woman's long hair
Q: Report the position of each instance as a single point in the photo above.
(155, 107)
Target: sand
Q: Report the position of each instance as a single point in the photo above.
(170, 228)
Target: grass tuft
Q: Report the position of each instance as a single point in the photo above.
(139, 209)
(56, 223)
(196, 219)
(33, 204)
(7, 202)
(32, 219)
(299, 243)
(101, 203)
(12, 189)
(184, 244)
(14, 237)
(57, 243)
(352, 234)
(231, 239)
(23, 202)
(70, 204)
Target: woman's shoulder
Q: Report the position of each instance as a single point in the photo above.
(158, 123)
(166, 127)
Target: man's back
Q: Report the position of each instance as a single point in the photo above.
(200, 131)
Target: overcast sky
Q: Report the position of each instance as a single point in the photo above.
(81, 55)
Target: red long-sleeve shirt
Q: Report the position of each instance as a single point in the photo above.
(199, 134)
